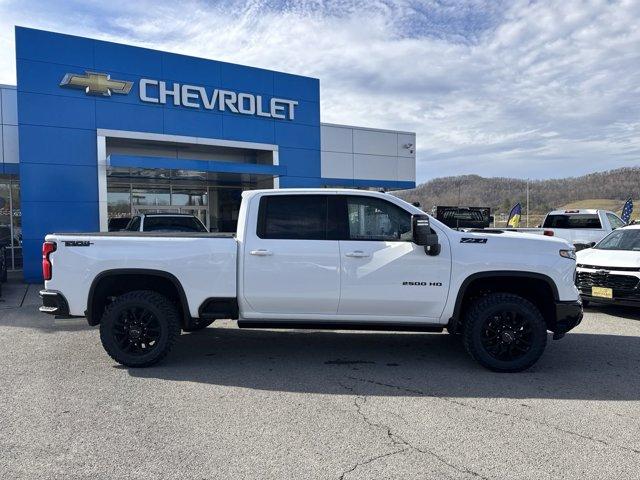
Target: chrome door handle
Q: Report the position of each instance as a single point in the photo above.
(261, 252)
(357, 254)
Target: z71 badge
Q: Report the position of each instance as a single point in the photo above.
(473, 240)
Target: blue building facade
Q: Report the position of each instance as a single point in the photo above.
(89, 110)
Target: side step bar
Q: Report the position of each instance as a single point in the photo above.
(311, 325)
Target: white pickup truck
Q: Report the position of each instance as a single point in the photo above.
(583, 228)
(318, 258)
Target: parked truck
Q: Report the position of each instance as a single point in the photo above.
(318, 258)
(464, 217)
(583, 228)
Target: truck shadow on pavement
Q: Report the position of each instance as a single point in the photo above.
(630, 313)
(580, 366)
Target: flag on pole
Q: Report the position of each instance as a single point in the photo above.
(627, 210)
(514, 216)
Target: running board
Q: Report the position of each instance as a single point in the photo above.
(311, 325)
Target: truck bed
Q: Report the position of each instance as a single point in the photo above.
(204, 264)
(151, 234)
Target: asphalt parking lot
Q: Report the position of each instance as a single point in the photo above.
(232, 403)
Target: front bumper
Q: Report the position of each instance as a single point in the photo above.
(568, 316)
(627, 302)
(624, 284)
(54, 303)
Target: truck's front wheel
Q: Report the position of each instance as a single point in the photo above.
(139, 328)
(504, 332)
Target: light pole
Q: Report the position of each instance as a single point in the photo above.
(527, 203)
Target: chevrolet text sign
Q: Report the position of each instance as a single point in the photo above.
(191, 96)
(155, 91)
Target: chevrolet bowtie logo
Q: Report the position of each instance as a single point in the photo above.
(96, 83)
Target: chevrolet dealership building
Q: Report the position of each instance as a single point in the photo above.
(97, 130)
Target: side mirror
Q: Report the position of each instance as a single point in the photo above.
(423, 236)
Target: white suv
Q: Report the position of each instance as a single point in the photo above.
(610, 271)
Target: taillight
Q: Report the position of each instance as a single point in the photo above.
(47, 248)
(548, 233)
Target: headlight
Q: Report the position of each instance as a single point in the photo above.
(571, 254)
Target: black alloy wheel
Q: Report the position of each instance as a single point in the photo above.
(136, 330)
(507, 335)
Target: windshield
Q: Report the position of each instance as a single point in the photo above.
(621, 240)
(173, 224)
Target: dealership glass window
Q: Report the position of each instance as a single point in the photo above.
(150, 196)
(118, 202)
(376, 219)
(193, 197)
(11, 221)
(214, 198)
(225, 210)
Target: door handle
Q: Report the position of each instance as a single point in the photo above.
(261, 252)
(357, 254)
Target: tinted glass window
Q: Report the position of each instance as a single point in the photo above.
(116, 224)
(134, 225)
(173, 224)
(375, 219)
(301, 217)
(625, 239)
(572, 221)
(463, 215)
(615, 221)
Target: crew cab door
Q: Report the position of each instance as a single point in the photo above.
(383, 273)
(290, 265)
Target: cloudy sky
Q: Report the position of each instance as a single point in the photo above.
(533, 89)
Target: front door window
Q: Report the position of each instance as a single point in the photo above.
(374, 219)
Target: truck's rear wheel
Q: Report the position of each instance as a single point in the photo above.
(504, 332)
(139, 328)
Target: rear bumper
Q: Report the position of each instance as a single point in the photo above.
(54, 303)
(568, 316)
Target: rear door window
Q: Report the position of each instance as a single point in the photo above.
(293, 217)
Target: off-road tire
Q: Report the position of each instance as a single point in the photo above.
(166, 324)
(477, 331)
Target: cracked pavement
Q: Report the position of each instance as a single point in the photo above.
(231, 403)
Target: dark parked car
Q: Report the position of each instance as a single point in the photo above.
(165, 222)
(117, 224)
